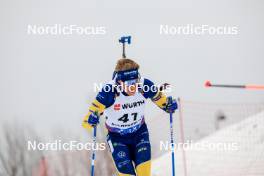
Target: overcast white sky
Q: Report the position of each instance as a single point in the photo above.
(47, 80)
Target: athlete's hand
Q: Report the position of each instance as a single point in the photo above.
(93, 119)
(171, 105)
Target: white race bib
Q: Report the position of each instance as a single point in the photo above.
(126, 115)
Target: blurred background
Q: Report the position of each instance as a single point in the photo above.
(47, 80)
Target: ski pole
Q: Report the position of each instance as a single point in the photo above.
(93, 154)
(172, 141)
(246, 86)
(124, 40)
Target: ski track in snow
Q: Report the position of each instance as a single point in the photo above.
(248, 160)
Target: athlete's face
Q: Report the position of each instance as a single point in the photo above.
(130, 89)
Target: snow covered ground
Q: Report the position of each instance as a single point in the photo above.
(246, 160)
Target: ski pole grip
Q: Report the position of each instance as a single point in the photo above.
(169, 99)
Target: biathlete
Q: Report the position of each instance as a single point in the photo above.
(122, 101)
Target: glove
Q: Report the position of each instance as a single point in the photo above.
(171, 105)
(93, 119)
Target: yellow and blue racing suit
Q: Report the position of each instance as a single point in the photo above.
(128, 136)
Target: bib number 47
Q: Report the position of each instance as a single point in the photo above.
(125, 117)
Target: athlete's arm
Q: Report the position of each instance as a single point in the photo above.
(157, 96)
(152, 91)
(103, 100)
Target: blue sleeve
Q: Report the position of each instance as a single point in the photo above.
(106, 96)
(149, 89)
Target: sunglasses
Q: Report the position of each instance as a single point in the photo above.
(131, 82)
